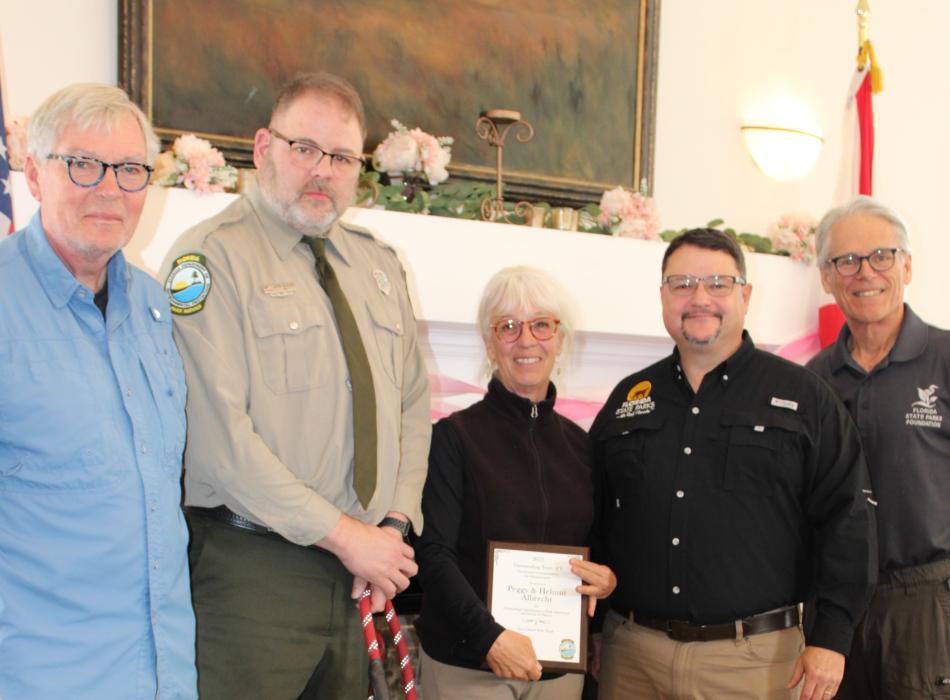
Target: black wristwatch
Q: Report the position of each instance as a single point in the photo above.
(402, 525)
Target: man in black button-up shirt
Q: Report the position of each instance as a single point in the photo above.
(892, 371)
(733, 488)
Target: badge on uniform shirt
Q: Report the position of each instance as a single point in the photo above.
(188, 284)
(382, 281)
(280, 289)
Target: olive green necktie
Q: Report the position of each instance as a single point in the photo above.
(361, 378)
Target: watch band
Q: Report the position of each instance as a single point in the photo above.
(402, 525)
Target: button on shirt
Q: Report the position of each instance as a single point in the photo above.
(726, 502)
(94, 592)
(269, 406)
(902, 409)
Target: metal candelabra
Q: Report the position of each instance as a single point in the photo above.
(493, 126)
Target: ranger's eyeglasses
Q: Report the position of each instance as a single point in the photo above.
(308, 155)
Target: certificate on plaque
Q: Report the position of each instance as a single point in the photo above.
(531, 590)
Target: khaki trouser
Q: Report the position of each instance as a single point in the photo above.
(901, 648)
(441, 681)
(638, 662)
(275, 620)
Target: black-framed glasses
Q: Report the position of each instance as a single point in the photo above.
(879, 259)
(508, 330)
(85, 171)
(716, 285)
(309, 155)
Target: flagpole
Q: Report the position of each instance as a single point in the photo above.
(864, 20)
(867, 81)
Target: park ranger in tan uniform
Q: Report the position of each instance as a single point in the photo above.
(286, 524)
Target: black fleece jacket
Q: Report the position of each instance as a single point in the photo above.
(502, 469)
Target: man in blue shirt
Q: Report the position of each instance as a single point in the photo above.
(94, 592)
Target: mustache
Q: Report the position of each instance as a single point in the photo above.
(316, 186)
(691, 314)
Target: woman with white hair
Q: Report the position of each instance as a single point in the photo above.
(507, 468)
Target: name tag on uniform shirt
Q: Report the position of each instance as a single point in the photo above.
(785, 403)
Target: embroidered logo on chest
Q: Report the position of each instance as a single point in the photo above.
(638, 401)
(923, 412)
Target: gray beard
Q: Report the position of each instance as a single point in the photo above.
(292, 216)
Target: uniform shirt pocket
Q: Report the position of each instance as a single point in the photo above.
(388, 332)
(761, 452)
(292, 341)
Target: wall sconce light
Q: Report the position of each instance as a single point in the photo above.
(782, 153)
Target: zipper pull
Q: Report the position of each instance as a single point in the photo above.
(534, 410)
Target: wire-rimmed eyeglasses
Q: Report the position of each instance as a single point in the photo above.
(715, 285)
(879, 259)
(86, 171)
(308, 155)
(508, 330)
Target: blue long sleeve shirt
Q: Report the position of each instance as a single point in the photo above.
(94, 591)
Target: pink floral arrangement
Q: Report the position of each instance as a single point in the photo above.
(16, 142)
(414, 153)
(195, 164)
(629, 214)
(794, 234)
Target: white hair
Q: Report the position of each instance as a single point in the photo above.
(860, 205)
(514, 288)
(85, 105)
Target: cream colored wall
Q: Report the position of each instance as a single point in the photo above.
(718, 62)
(46, 44)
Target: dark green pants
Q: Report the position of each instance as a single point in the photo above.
(901, 648)
(275, 620)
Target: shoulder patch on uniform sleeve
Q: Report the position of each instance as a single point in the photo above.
(188, 284)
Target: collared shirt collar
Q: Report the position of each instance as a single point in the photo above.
(911, 343)
(58, 282)
(731, 365)
(282, 236)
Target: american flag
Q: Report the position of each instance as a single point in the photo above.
(6, 202)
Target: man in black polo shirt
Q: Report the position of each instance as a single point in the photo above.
(893, 373)
(733, 488)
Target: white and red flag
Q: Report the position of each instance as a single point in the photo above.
(857, 160)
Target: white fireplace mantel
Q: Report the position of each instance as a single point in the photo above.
(615, 283)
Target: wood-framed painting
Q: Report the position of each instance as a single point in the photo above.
(583, 74)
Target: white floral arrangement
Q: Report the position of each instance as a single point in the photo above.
(414, 153)
(195, 164)
(629, 214)
(794, 234)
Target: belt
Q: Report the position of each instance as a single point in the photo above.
(919, 575)
(227, 516)
(681, 631)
